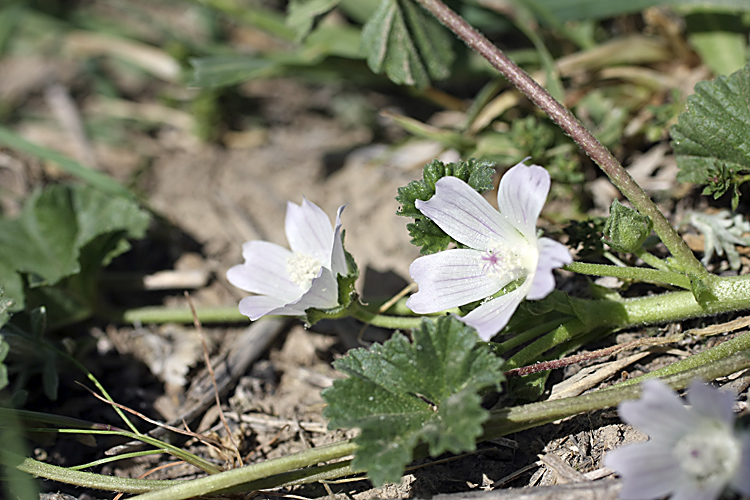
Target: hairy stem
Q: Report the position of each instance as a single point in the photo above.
(505, 421)
(159, 315)
(727, 294)
(571, 126)
(393, 322)
(632, 273)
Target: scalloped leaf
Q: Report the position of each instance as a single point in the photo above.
(404, 393)
(407, 44)
(711, 135)
(425, 233)
(63, 231)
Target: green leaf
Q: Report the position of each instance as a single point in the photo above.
(4, 348)
(302, 13)
(566, 10)
(93, 177)
(407, 44)
(712, 135)
(12, 285)
(400, 394)
(42, 241)
(5, 310)
(720, 40)
(63, 231)
(326, 41)
(425, 233)
(219, 71)
(448, 138)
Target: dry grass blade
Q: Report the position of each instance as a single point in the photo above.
(199, 327)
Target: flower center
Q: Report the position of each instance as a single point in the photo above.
(303, 269)
(510, 262)
(709, 455)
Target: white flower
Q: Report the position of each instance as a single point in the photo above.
(503, 248)
(290, 282)
(693, 454)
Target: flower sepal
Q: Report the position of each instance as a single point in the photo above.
(347, 294)
(626, 229)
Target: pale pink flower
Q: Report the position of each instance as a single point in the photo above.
(503, 248)
(693, 454)
(290, 282)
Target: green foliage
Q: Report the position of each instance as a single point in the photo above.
(63, 236)
(15, 484)
(100, 180)
(400, 394)
(566, 10)
(710, 138)
(586, 237)
(31, 354)
(626, 230)
(406, 43)
(302, 14)
(425, 233)
(347, 293)
(538, 138)
(4, 348)
(230, 69)
(719, 38)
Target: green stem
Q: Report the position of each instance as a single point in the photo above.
(631, 273)
(536, 349)
(524, 337)
(90, 479)
(727, 295)
(160, 315)
(393, 322)
(652, 260)
(509, 420)
(571, 126)
(696, 363)
(211, 484)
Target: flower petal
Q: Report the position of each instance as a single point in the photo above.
(648, 470)
(257, 306)
(309, 231)
(323, 293)
(659, 413)
(265, 271)
(489, 318)
(711, 403)
(467, 217)
(338, 258)
(552, 255)
(521, 196)
(449, 279)
(691, 490)
(741, 479)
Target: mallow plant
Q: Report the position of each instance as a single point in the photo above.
(487, 307)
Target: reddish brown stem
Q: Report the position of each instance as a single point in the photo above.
(577, 358)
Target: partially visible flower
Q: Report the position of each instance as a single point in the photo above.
(503, 248)
(290, 282)
(693, 454)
